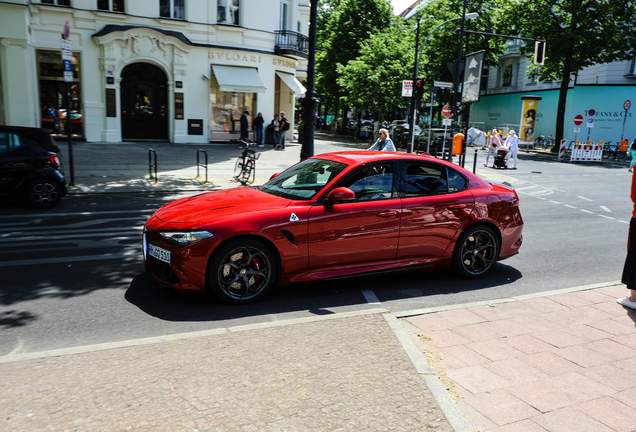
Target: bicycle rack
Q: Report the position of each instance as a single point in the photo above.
(152, 155)
(202, 165)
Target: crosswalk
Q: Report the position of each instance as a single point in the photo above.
(70, 237)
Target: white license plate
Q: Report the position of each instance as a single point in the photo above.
(160, 254)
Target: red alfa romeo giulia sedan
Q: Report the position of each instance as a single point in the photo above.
(333, 215)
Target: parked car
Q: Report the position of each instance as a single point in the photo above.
(403, 135)
(30, 166)
(437, 138)
(329, 216)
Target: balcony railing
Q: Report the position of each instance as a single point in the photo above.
(292, 43)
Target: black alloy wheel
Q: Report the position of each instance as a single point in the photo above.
(476, 252)
(43, 193)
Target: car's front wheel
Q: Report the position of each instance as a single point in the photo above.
(242, 271)
(476, 252)
(43, 193)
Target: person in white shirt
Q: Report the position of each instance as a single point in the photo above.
(383, 143)
(512, 142)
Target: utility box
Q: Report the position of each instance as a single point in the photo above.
(195, 127)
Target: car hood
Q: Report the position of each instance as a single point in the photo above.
(218, 204)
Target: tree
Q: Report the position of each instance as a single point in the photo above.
(346, 25)
(579, 33)
(374, 79)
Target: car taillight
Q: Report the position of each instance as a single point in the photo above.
(54, 160)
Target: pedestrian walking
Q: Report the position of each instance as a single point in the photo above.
(383, 143)
(245, 126)
(495, 142)
(284, 127)
(512, 142)
(276, 132)
(629, 270)
(257, 127)
(632, 152)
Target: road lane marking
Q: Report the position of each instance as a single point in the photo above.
(544, 199)
(606, 217)
(606, 209)
(370, 297)
(625, 222)
(569, 206)
(586, 199)
(555, 202)
(587, 211)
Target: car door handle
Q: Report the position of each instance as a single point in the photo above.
(457, 206)
(387, 213)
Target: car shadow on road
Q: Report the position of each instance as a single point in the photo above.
(317, 298)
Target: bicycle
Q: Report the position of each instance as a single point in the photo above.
(613, 151)
(245, 168)
(543, 142)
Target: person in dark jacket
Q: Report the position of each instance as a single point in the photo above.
(257, 127)
(245, 126)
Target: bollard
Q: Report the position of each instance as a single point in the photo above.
(151, 165)
(475, 163)
(202, 166)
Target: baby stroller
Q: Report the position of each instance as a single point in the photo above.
(501, 155)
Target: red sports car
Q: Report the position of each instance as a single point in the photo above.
(330, 216)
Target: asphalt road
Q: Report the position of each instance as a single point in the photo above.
(73, 276)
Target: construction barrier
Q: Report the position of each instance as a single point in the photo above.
(587, 153)
(562, 150)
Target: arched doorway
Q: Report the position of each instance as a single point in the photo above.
(144, 102)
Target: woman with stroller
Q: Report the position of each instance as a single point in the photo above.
(494, 143)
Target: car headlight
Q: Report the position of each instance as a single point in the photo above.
(183, 238)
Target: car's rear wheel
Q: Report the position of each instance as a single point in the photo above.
(43, 193)
(242, 271)
(476, 252)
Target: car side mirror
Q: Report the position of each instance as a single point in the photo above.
(274, 175)
(341, 194)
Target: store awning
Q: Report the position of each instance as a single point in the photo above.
(238, 79)
(292, 83)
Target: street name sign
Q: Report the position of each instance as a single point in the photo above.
(442, 84)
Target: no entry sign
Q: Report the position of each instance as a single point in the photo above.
(627, 105)
(578, 120)
(446, 111)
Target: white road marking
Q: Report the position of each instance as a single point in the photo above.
(606, 217)
(586, 199)
(625, 222)
(606, 209)
(555, 202)
(586, 211)
(569, 206)
(370, 296)
(544, 199)
(558, 190)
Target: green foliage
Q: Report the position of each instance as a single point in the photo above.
(374, 79)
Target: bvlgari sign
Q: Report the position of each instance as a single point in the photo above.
(234, 57)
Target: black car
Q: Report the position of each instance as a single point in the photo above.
(30, 166)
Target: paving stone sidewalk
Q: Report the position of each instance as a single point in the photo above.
(560, 363)
(346, 374)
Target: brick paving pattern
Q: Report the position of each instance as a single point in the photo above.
(559, 363)
(348, 374)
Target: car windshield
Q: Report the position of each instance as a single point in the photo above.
(304, 180)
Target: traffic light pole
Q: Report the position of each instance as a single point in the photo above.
(414, 96)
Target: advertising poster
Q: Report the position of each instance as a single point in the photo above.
(528, 119)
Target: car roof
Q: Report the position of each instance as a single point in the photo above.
(363, 157)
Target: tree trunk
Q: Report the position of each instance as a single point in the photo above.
(563, 94)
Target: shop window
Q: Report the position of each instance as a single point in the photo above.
(54, 104)
(226, 109)
(57, 2)
(172, 9)
(506, 76)
(632, 67)
(228, 11)
(111, 5)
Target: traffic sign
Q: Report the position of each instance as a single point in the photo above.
(627, 105)
(447, 122)
(578, 120)
(446, 112)
(577, 130)
(442, 84)
(590, 123)
(67, 30)
(591, 113)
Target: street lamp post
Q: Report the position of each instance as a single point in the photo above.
(310, 101)
(471, 16)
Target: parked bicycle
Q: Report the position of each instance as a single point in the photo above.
(544, 142)
(613, 151)
(245, 168)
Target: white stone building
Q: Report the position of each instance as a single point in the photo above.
(175, 70)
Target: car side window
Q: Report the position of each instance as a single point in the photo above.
(372, 183)
(424, 179)
(15, 145)
(3, 143)
(456, 181)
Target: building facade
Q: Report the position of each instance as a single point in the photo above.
(603, 88)
(174, 70)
